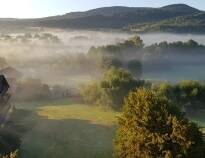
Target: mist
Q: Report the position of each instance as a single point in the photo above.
(51, 62)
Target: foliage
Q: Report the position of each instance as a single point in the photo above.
(90, 93)
(133, 42)
(189, 95)
(29, 38)
(11, 155)
(120, 49)
(9, 141)
(31, 89)
(192, 24)
(108, 62)
(111, 90)
(150, 126)
(135, 67)
(188, 44)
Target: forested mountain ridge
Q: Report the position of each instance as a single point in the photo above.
(117, 16)
(184, 24)
(137, 19)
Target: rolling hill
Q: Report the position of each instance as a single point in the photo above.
(137, 19)
(116, 17)
(184, 24)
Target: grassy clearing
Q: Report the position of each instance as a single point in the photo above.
(66, 128)
(95, 115)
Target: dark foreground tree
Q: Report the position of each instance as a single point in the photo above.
(151, 127)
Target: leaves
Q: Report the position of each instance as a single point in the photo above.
(151, 126)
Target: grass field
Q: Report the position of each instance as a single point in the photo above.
(70, 129)
(66, 129)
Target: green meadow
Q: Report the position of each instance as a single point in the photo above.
(66, 127)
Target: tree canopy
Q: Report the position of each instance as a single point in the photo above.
(150, 126)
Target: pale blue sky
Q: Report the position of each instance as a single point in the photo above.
(42, 8)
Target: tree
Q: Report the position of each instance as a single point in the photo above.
(90, 93)
(150, 126)
(135, 42)
(111, 89)
(135, 67)
(107, 62)
(189, 95)
(115, 85)
(191, 43)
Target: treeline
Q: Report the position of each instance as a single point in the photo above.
(183, 24)
(29, 37)
(188, 95)
(124, 63)
(156, 57)
(35, 89)
(134, 47)
(116, 83)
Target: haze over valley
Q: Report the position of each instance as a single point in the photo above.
(115, 81)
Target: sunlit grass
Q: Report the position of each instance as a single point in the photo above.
(95, 115)
(67, 128)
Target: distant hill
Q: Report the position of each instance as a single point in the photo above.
(184, 24)
(116, 17)
(179, 9)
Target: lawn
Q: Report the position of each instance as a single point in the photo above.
(67, 129)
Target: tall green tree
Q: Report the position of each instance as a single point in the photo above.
(152, 127)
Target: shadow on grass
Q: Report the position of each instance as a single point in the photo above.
(64, 138)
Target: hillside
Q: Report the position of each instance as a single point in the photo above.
(184, 24)
(116, 17)
(137, 19)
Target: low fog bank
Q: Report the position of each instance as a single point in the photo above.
(51, 55)
(54, 61)
(151, 38)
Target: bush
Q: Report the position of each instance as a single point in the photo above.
(150, 126)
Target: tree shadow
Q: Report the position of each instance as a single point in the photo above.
(64, 138)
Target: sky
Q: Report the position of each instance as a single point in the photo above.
(44, 8)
